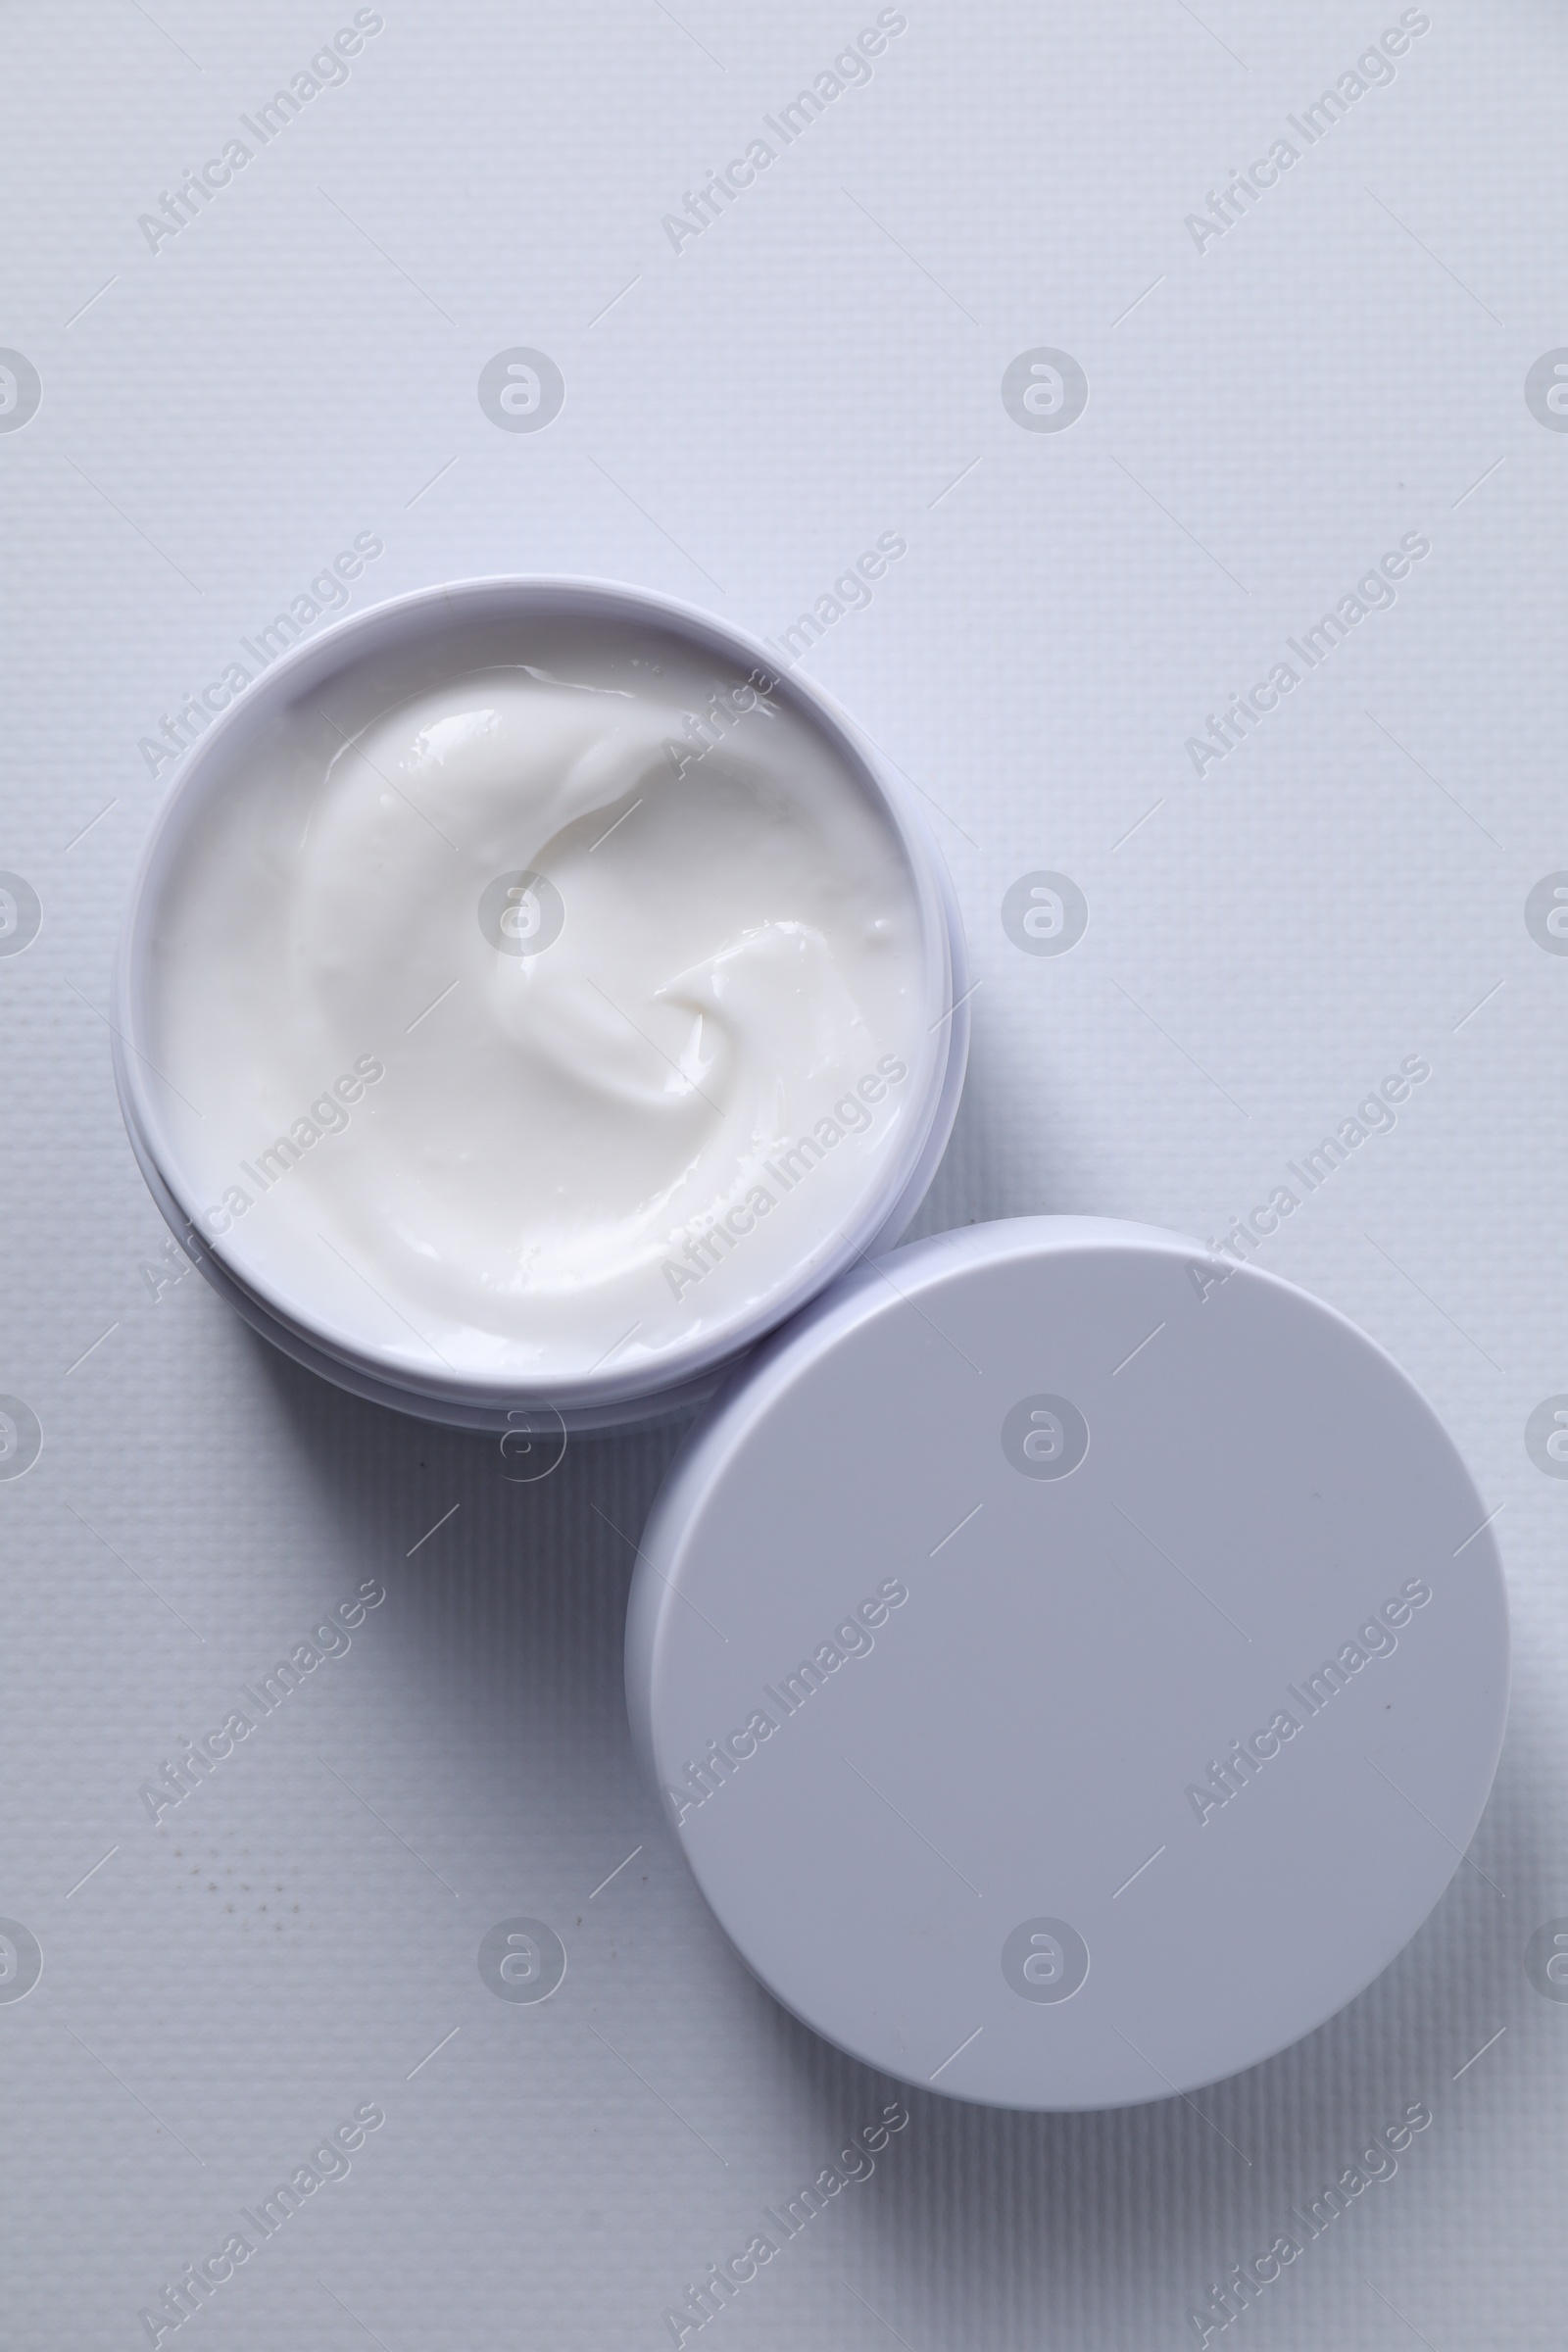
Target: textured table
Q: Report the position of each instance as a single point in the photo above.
(931, 247)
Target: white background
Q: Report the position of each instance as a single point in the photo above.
(822, 365)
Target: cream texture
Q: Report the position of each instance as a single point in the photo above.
(547, 1020)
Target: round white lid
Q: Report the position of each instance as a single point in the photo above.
(1072, 1666)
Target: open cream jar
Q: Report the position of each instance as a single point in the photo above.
(529, 998)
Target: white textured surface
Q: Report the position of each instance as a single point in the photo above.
(301, 364)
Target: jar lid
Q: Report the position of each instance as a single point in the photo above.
(1072, 1665)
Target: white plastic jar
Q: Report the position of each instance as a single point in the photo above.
(530, 997)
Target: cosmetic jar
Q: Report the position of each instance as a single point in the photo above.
(1072, 1664)
(530, 997)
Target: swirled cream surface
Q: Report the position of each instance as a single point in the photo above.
(545, 1021)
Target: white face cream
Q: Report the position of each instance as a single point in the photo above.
(541, 1021)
